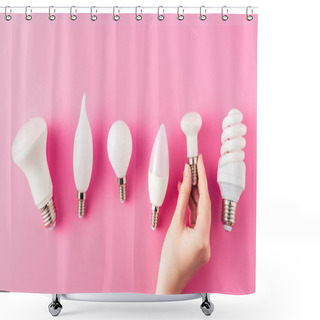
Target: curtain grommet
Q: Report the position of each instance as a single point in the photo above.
(203, 13)
(7, 16)
(138, 16)
(93, 17)
(52, 17)
(180, 12)
(160, 16)
(116, 17)
(73, 16)
(28, 12)
(249, 16)
(224, 13)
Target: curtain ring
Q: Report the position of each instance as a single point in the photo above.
(160, 16)
(138, 16)
(249, 17)
(28, 15)
(180, 14)
(73, 16)
(224, 13)
(116, 17)
(7, 16)
(52, 17)
(203, 12)
(93, 16)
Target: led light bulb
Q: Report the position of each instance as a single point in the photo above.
(158, 175)
(190, 125)
(231, 168)
(119, 152)
(82, 157)
(29, 154)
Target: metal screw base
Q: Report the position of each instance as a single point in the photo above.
(55, 306)
(228, 215)
(122, 189)
(194, 170)
(48, 213)
(154, 218)
(81, 203)
(207, 306)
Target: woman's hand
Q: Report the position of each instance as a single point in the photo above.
(186, 249)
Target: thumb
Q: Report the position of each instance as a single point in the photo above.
(184, 195)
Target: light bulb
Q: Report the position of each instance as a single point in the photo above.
(82, 157)
(119, 152)
(158, 175)
(190, 125)
(29, 154)
(231, 168)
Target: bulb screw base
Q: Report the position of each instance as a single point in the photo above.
(154, 217)
(81, 204)
(122, 189)
(193, 162)
(48, 213)
(228, 215)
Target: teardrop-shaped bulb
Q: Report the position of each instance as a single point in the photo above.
(119, 152)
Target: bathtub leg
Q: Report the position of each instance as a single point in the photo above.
(206, 305)
(55, 306)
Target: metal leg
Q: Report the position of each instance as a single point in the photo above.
(206, 305)
(55, 306)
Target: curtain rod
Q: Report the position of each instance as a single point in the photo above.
(102, 9)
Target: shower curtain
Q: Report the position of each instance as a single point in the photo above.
(145, 73)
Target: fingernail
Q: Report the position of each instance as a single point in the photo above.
(185, 171)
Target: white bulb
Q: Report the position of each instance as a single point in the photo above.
(119, 151)
(158, 175)
(231, 168)
(29, 154)
(82, 156)
(190, 125)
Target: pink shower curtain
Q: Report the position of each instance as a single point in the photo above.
(145, 73)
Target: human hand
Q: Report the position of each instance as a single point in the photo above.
(186, 249)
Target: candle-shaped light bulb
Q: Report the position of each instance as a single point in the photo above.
(119, 151)
(190, 125)
(82, 157)
(158, 175)
(231, 168)
(29, 154)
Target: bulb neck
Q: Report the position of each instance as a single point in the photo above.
(122, 189)
(154, 217)
(48, 213)
(193, 162)
(228, 214)
(81, 203)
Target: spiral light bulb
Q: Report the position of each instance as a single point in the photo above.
(231, 168)
(29, 154)
(190, 125)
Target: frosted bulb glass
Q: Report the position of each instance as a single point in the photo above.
(190, 125)
(29, 154)
(119, 151)
(231, 167)
(158, 175)
(82, 157)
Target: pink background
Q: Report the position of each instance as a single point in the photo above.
(145, 73)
